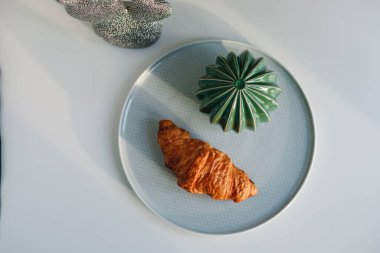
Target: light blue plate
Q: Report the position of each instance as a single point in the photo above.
(277, 156)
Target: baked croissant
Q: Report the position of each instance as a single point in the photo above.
(200, 168)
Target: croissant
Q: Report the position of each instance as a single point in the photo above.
(200, 168)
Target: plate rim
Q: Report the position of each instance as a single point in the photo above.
(126, 105)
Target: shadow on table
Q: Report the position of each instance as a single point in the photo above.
(53, 40)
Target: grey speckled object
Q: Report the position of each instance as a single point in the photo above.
(132, 24)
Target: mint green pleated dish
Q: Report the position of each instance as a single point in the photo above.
(238, 91)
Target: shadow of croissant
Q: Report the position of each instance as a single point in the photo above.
(145, 119)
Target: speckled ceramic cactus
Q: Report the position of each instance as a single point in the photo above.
(132, 24)
(238, 91)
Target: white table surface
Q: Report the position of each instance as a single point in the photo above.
(63, 188)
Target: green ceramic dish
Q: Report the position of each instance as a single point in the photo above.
(238, 91)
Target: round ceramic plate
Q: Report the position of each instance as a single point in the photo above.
(277, 155)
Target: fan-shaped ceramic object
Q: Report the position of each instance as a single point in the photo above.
(238, 91)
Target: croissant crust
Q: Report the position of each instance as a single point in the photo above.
(200, 168)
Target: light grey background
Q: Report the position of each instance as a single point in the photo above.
(63, 187)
